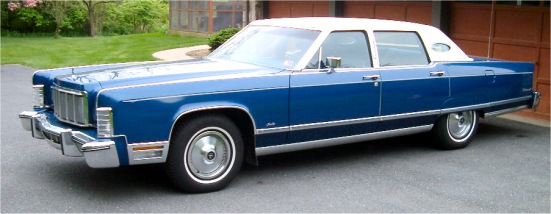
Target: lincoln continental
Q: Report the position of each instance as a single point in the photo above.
(279, 85)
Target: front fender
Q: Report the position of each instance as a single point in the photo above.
(152, 118)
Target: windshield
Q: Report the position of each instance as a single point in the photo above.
(276, 47)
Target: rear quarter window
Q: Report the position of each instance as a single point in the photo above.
(400, 48)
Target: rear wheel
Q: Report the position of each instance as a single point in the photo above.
(456, 130)
(205, 154)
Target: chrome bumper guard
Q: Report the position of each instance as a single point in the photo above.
(536, 99)
(98, 154)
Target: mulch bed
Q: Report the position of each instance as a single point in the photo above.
(199, 53)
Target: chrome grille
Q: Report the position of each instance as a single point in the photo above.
(70, 106)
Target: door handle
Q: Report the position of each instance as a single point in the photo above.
(372, 77)
(437, 73)
(489, 72)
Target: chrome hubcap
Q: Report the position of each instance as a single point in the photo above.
(208, 155)
(460, 124)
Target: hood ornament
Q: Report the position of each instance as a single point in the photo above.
(73, 76)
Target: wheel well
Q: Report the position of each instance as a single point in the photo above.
(241, 119)
(480, 113)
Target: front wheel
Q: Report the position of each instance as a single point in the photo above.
(456, 130)
(205, 154)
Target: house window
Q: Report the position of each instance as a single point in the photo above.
(205, 16)
(227, 14)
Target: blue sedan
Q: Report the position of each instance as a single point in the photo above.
(279, 85)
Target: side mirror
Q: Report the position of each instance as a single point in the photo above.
(333, 62)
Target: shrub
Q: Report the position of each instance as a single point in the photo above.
(218, 38)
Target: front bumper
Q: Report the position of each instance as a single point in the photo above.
(98, 154)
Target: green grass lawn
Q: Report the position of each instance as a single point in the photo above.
(72, 51)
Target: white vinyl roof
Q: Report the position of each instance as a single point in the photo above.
(430, 35)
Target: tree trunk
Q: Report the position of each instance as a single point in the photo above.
(92, 20)
(58, 9)
(99, 14)
(57, 29)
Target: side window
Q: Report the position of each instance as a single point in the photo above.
(350, 46)
(400, 48)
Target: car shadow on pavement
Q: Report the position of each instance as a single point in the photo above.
(129, 181)
(144, 179)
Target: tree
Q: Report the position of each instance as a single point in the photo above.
(39, 11)
(92, 17)
(91, 5)
(27, 15)
(142, 14)
(58, 9)
(136, 16)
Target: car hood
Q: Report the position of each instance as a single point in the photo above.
(160, 72)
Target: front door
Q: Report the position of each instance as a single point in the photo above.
(328, 104)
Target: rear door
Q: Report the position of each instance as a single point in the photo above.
(413, 89)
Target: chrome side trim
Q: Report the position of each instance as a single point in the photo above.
(465, 108)
(146, 153)
(385, 118)
(273, 130)
(504, 111)
(448, 76)
(498, 74)
(340, 140)
(206, 93)
(410, 115)
(316, 71)
(428, 77)
(335, 84)
(523, 73)
(393, 117)
(401, 67)
(514, 100)
(333, 123)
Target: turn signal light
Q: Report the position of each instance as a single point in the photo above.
(104, 122)
(38, 96)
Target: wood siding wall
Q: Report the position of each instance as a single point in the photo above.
(287, 9)
(419, 12)
(517, 33)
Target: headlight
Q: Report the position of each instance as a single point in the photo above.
(104, 122)
(38, 96)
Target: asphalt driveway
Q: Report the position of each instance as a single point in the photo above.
(505, 169)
